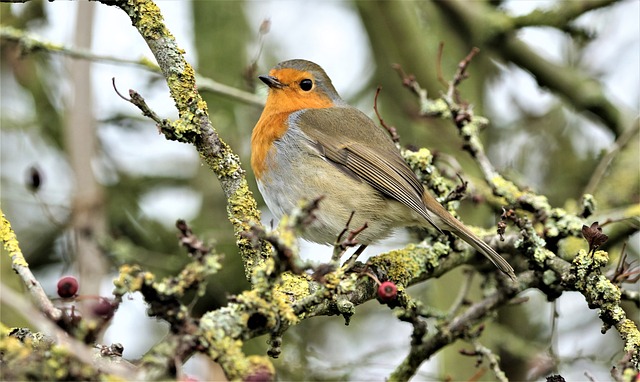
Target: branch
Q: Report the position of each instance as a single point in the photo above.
(138, 101)
(458, 327)
(206, 84)
(581, 92)
(560, 15)
(31, 43)
(21, 267)
(68, 349)
(469, 126)
(486, 27)
(494, 360)
(194, 125)
(583, 275)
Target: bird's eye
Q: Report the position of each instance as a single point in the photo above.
(306, 84)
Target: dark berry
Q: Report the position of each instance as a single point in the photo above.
(103, 307)
(387, 291)
(67, 287)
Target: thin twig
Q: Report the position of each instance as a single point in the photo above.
(439, 65)
(392, 130)
(346, 227)
(351, 240)
(342, 245)
(409, 80)
(494, 361)
(138, 101)
(461, 75)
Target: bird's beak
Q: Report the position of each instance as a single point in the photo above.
(271, 82)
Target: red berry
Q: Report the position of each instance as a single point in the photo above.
(67, 287)
(387, 291)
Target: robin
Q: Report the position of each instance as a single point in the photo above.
(310, 143)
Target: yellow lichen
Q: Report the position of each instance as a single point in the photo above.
(404, 264)
(290, 289)
(228, 352)
(254, 303)
(600, 258)
(606, 290)
(563, 222)
(540, 255)
(631, 335)
(148, 19)
(332, 280)
(506, 188)
(420, 159)
(10, 243)
(470, 130)
(293, 286)
(437, 107)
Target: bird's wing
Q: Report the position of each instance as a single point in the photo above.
(376, 161)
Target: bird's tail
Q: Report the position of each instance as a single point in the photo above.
(465, 234)
(447, 222)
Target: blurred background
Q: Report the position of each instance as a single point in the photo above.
(89, 184)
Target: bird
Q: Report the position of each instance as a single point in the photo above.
(310, 143)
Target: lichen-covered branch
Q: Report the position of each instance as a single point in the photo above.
(553, 274)
(458, 327)
(194, 125)
(602, 294)
(21, 267)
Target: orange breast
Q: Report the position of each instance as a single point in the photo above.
(269, 128)
(273, 122)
